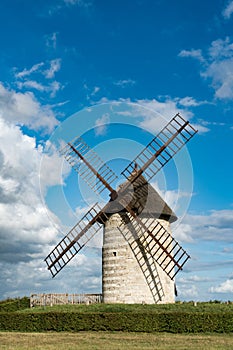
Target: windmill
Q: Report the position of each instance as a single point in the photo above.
(140, 256)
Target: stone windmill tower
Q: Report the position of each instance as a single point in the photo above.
(140, 256)
(129, 274)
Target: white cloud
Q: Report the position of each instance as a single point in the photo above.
(27, 72)
(31, 84)
(91, 91)
(101, 124)
(51, 88)
(193, 278)
(54, 87)
(201, 128)
(125, 82)
(228, 10)
(25, 226)
(197, 54)
(53, 169)
(41, 83)
(190, 292)
(217, 66)
(51, 40)
(220, 49)
(55, 66)
(28, 277)
(183, 232)
(156, 113)
(215, 226)
(25, 109)
(189, 101)
(95, 90)
(224, 287)
(222, 78)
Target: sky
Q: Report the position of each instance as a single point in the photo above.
(113, 72)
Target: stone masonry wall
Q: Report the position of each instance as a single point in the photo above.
(123, 279)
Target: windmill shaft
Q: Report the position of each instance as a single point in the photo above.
(105, 183)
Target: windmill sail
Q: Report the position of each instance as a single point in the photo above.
(161, 149)
(158, 243)
(75, 240)
(89, 165)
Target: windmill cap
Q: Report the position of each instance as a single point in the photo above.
(143, 199)
(147, 202)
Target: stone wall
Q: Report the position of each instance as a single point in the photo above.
(123, 278)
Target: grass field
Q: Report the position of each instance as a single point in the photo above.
(113, 341)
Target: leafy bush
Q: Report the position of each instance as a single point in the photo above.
(188, 307)
(173, 322)
(12, 305)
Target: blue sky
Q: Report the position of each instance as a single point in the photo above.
(113, 72)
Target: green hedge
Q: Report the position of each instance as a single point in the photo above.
(14, 304)
(177, 322)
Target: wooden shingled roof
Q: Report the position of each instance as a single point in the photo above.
(144, 200)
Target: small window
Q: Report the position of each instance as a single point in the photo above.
(114, 253)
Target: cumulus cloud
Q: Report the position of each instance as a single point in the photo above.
(157, 112)
(25, 109)
(216, 66)
(222, 81)
(38, 280)
(224, 287)
(185, 292)
(214, 226)
(167, 109)
(28, 230)
(25, 226)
